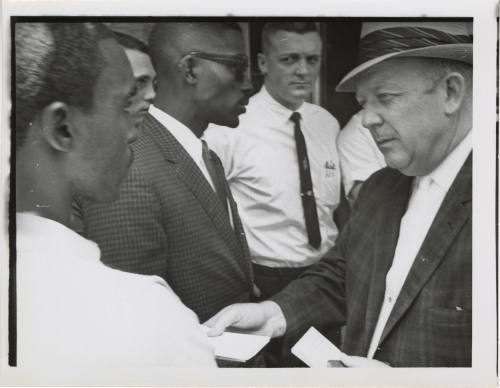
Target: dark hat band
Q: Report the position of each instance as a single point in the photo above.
(398, 39)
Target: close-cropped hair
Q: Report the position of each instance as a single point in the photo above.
(438, 68)
(55, 62)
(170, 38)
(131, 42)
(272, 27)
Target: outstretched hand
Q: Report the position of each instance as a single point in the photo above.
(264, 318)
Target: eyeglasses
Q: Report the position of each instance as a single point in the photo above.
(238, 63)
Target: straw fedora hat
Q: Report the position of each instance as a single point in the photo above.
(384, 40)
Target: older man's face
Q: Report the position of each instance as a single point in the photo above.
(291, 66)
(404, 112)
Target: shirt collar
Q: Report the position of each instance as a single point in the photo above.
(40, 233)
(281, 111)
(182, 134)
(444, 174)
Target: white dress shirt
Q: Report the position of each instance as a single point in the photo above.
(427, 195)
(74, 312)
(358, 152)
(260, 162)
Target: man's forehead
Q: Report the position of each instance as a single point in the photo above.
(283, 41)
(393, 73)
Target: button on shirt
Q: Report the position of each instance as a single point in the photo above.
(427, 195)
(260, 162)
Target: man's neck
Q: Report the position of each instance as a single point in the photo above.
(181, 110)
(290, 104)
(48, 198)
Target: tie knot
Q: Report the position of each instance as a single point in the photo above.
(295, 117)
(424, 182)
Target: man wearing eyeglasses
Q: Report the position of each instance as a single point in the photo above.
(281, 162)
(175, 216)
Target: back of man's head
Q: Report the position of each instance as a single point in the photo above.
(271, 28)
(55, 62)
(170, 41)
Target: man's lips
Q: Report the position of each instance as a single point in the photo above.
(242, 104)
(384, 142)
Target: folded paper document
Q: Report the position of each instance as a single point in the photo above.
(236, 346)
(315, 350)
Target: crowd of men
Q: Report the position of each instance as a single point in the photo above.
(156, 190)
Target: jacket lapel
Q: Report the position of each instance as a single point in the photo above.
(393, 207)
(447, 223)
(189, 173)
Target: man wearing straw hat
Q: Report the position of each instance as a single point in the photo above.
(399, 276)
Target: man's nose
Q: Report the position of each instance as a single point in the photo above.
(371, 119)
(302, 67)
(149, 93)
(246, 85)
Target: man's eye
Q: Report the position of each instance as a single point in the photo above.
(140, 83)
(313, 60)
(385, 97)
(288, 59)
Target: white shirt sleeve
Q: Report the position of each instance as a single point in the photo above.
(172, 331)
(358, 153)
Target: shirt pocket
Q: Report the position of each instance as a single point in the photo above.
(327, 187)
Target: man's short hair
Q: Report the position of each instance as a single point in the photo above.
(438, 68)
(273, 27)
(55, 62)
(130, 42)
(167, 38)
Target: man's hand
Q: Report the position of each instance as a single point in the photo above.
(265, 318)
(361, 362)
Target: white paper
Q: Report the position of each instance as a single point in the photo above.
(315, 350)
(237, 346)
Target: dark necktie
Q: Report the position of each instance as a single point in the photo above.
(306, 187)
(218, 179)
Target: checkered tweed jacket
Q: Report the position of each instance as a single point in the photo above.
(169, 222)
(431, 323)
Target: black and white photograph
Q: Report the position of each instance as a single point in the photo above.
(250, 197)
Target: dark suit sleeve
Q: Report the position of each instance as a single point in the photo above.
(317, 298)
(129, 231)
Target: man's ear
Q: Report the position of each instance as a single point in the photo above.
(455, 89)
(56, 126)
(261, 60)
(189, 69)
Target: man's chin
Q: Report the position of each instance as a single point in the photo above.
(231, 123)
(300, 91)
